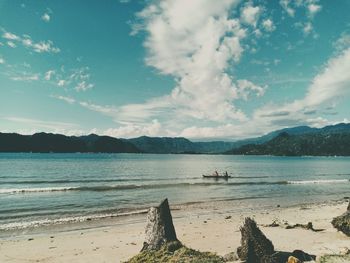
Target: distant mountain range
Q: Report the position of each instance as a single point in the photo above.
(47, 142)
(328, 141)
(302, 140)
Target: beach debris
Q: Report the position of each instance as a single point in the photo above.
(228, 217)
(342, 223)
(308, 226)
(273, 224)
(255, 246)
(159, 228)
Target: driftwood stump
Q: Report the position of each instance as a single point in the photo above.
(159, 228)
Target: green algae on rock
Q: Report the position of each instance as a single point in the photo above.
(175, 252)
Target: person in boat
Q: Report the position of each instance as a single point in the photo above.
(226, 174)
(216, 173)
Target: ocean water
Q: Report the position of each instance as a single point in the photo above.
(45, 189)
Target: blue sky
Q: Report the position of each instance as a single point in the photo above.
(201, 69)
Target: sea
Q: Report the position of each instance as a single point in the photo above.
(51, 189)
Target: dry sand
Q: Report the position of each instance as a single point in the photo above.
(206, 228)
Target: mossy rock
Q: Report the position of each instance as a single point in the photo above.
(334, 259)
(175, 252)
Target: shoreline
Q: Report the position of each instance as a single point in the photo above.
(210, 227)
(126, 215)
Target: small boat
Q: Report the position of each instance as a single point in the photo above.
(217, 176)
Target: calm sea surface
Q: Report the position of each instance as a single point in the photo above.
(42, 189)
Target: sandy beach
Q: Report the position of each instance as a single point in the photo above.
(208, 227)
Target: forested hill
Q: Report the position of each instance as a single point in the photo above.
(48, 142)
(310, 144)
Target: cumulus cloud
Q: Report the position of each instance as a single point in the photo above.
(307, 28)
(130, 130)
(268, 25)
(46, 17)
(246, 88)
(61, 82)
(313, 8)
(286, 6)
(196, 49)
(250, 14)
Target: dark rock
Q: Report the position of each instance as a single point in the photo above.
(342, 223)
(302, 256)
(230, 257)
(255, 247)
(160, 228)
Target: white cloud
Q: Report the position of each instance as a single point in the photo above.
(250, 14)
(2, 61)
(45, 46)
(46, 17)
(311, 7)
(307, 28)
(64, 98)
(246, 88)
(83, 86)
(39, 47)
(10, 36)
(107, 110)
(268, 25)
(61, 83)
(51, 125)
(330, 85)
(11, 44)
(130, 130)
(196, 48)
(26, 77)
(314, 8)
(343, 42)
(286, 6)
(332, 82)
(49, 74)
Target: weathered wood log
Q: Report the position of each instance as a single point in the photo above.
(160, 228)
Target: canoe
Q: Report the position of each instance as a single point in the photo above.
(217, 177)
